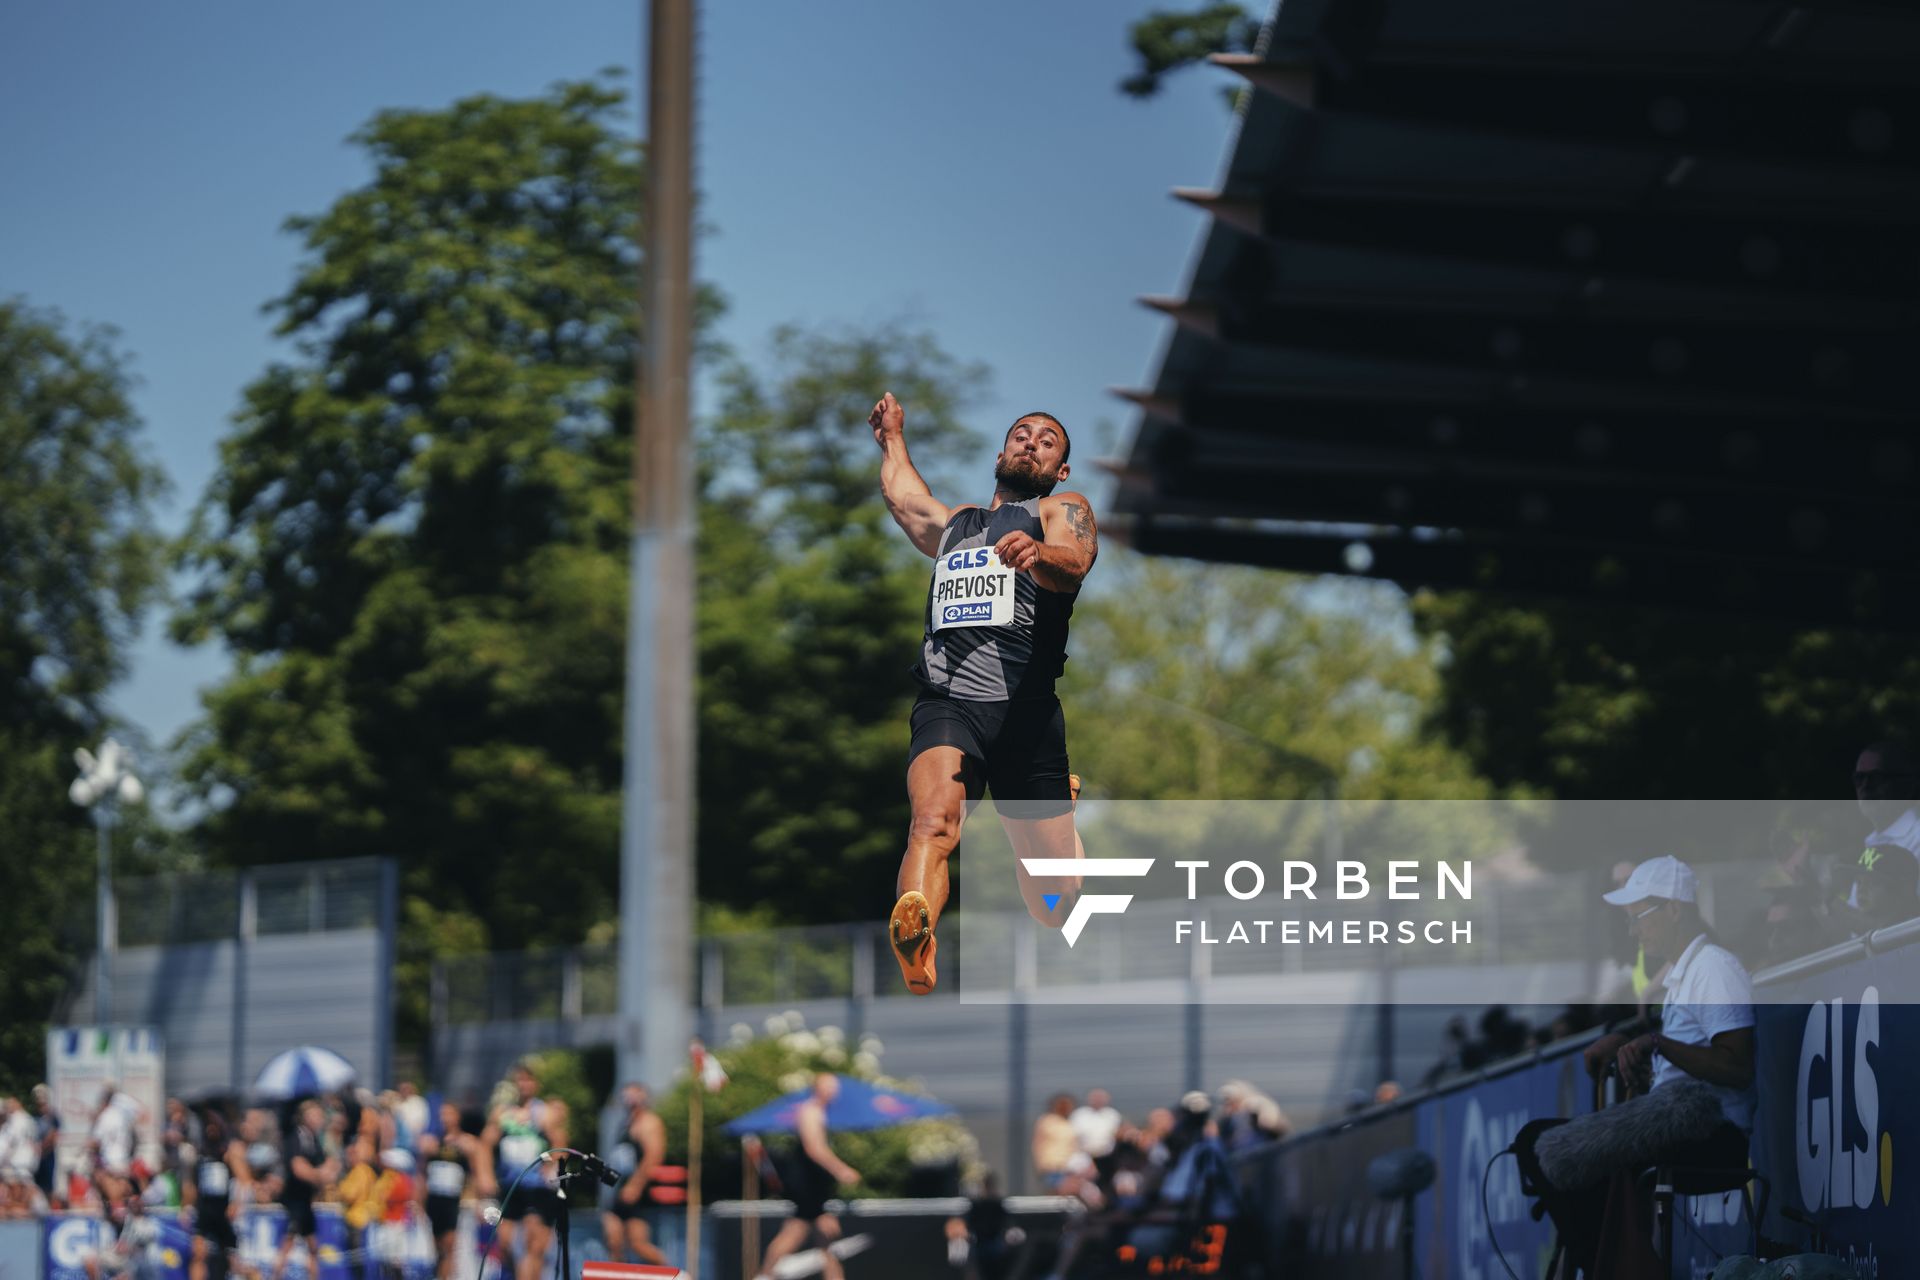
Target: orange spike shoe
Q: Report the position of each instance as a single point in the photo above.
(910, 929)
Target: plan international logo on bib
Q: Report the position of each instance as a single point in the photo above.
(967, 613)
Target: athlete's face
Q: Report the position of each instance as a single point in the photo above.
(1034, 457)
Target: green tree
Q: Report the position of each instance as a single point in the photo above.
(78, 562)
(1586, 702)
(1167, 40)
(415, 543)
(810, 616)
(787, 1058)
(1195, 681)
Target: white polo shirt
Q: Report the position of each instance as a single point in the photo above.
(1708, 992)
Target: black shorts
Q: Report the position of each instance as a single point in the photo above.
(809, 1208)
(1020, 747)
(541, 1202)
(300, 1217)
(624, 1210)
(443, 1213)
(216, 1229)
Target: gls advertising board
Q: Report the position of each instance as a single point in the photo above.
(1838, 1129)
(164, 1244)
(1325, 1222)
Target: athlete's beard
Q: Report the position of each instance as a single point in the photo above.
(1017, 475)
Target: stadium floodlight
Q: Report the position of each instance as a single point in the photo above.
(105, 781)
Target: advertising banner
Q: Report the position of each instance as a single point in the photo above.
(82, 1062)
(1837, 1117)
(1456, 1230)
(160, 1246)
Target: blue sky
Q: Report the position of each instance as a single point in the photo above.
(969, 168)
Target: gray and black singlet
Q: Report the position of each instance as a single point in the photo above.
(995, 662)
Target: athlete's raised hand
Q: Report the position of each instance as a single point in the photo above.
(888, 420)
(1018, 551)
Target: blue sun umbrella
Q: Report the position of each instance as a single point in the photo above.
(302, 1072)
(860, 1105)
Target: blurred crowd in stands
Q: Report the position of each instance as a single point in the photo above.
(1817, 897)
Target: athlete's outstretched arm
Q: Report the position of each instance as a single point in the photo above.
(1062, 562)
(912, 504)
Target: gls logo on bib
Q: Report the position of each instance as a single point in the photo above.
(971, 588)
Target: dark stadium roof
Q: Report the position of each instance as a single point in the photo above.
(1618, 301)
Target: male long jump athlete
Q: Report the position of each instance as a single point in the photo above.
(1004, 580)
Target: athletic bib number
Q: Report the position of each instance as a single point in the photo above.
(445, 1178)
(971, 588)
(214, 1176)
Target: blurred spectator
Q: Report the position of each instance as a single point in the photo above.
(1236, 1122)
(393, 1194)
(162, 1187)
(1501, 1036)
(262, 1139)
(1192, 1122)
(1054, 1143)
(636, 1157)
(411, 1114)
(1385, 1092)
(1142, 1158)
(1886, 886)
(516, 1135)
(19, 1159)
(1096, 1127)
(1794, 919)
(19, 1139)
(450, 1160)
(353, 1191)
(1452, 1054)
(47, 1125)
(1270, 1120)
(182, 1126)
(985, 1240)
(1886, 783)
(308, 1172)
(220, 1171)
(110, 1144)
(1247, 1116)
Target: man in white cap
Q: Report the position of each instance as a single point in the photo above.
(1706, 1024)
(1690, 1083)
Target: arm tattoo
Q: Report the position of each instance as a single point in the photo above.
(1081, 522)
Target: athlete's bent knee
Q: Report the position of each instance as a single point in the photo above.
(936, 827)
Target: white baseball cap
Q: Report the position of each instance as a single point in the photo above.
(1666, 877)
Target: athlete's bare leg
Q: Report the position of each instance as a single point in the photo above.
(940, 781)
(828, 1228)
(533, 1260)
(1047, 838)
(792, 1234)
(640, 1243)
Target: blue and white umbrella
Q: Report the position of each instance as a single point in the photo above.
(300, 1072)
